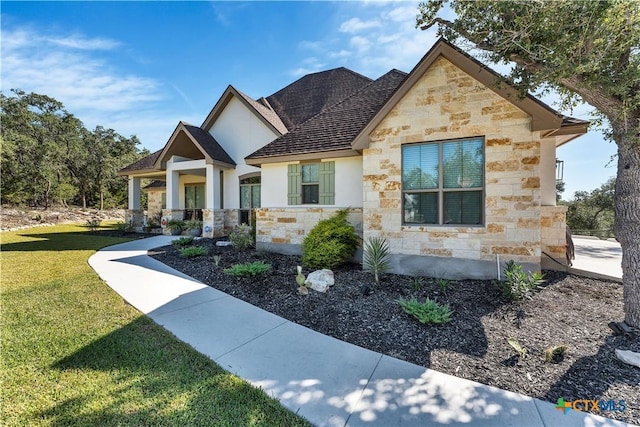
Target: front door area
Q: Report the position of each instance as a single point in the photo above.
(193, 201)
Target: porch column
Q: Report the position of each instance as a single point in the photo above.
(210, 188)
(134, 215)
(208, 214)
(134, 193)
(173, 189)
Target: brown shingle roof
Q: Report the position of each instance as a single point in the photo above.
(313, 93)
(336, 126)
(265, 110)
(209, 144)
(144, 163)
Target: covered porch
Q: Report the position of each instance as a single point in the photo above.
(191, 165)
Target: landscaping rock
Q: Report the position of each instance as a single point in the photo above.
(628, 357)
(320, 280)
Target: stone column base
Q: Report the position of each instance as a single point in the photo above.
(134, 217)
(168, 215)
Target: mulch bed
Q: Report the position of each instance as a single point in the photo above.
(569, 310)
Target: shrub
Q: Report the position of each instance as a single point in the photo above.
(330, 243)
(555, 354)
(241, 237)
(193, 251)
(124, 227)
(248, 269)
(519, 284)
(93, 224)
(376, 257)
(427, 312)
(183, 241)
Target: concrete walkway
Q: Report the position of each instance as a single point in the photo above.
(327, 381)
(597, 258)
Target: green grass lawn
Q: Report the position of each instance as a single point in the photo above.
(73, 353)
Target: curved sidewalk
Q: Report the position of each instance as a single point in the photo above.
(325, 380)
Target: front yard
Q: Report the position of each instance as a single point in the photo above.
(74, 353)
(568, 311)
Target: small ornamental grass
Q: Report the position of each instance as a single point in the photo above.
(248, 269)
(377, 256)
(428, 312)
(193, 251)
(183, 241)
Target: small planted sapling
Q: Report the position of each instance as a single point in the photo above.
(300, 279)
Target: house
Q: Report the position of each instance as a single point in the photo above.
(453, 168)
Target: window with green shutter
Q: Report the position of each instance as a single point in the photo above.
(311, 183)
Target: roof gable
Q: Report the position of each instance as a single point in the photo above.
(195, 143)
(333, 129)
(313, 93)
(543, 117)
(262, 110)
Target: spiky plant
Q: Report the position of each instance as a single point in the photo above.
(377, 257)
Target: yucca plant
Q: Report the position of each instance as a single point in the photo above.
(377, 257)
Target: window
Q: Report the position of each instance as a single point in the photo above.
(311, 183)
(249, 198)
(443, 182)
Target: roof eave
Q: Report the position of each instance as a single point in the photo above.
(543, 118)
(222, 103)
(315, 155)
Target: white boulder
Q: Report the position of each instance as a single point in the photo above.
(320, 280)
(628, 357)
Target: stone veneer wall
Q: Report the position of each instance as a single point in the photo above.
(553, 228)
(154, 204)
(283, 229)
(447, 103)
(135, 217)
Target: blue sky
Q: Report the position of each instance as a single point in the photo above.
(140, 67)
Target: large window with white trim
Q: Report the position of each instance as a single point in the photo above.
(443, 182)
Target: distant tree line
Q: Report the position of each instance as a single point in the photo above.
(48, 156)
(592, 212)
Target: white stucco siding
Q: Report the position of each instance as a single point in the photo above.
(348, 183)
(548, 172)
(240, 132)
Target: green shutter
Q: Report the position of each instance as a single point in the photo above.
(327, 183)
(294, 180)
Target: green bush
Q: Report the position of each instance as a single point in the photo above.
(376, 257)
(183, 241)
(248, 269)
(193, 251)
(519, 284)
(330, 243)
(427, 312)
(241, 237)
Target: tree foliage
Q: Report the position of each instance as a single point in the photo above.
(592, 212)
(48, 156)
(586, 51)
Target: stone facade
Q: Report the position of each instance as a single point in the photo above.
(446, 103)
(283, 229)
(553, 226)
(154, 204)
(134, 217)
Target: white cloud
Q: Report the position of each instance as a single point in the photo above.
(356, 25)
(75, 70)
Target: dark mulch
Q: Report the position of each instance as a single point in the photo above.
(569, 310)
